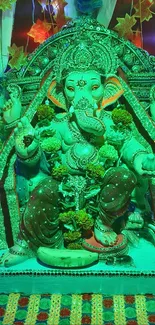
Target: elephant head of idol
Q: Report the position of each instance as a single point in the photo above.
(84, 83)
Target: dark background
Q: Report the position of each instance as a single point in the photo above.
(24, 21)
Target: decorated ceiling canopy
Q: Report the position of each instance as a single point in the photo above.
(33, 21)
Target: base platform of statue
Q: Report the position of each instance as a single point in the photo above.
(32, 277)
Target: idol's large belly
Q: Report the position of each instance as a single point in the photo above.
(79, 156)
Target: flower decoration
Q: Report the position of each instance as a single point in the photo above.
(95, 171)
(3, 299)
(108, 151)
(72, 236)
(74, 246)
(151, 318)
(83, 220)
(86, 319)
(122, 117)
(59, 172)
(79, 223)
(64, 312)
(107, 303)
(18, 56)
(2, 312)
(42, 316)
(67, 217)
(45, 112)
(86, 296)
(23, 301)
(51, 144)
(40, 31)
(130, 299)
(6, 4)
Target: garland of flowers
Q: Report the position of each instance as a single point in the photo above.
(75, 225)
(121, 117)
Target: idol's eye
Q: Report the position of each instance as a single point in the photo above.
(70, 88)
(94, 87)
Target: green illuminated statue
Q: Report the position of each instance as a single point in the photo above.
(82, 172)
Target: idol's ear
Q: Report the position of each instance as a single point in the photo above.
(56, 95)
(113, 90)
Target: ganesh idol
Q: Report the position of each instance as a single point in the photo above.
(82, 175)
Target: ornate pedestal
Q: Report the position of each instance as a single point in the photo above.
(32, 277)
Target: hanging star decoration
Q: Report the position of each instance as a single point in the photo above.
(6, 4)
(40, 31)
(18, 56)
(124, 26)
(60, 17)
(143, 10)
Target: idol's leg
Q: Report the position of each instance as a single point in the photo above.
(118, 185)
(39, 225)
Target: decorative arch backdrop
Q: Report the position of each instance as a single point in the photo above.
(28, 23)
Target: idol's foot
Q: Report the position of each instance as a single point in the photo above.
(105, 234)
(15, 255)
